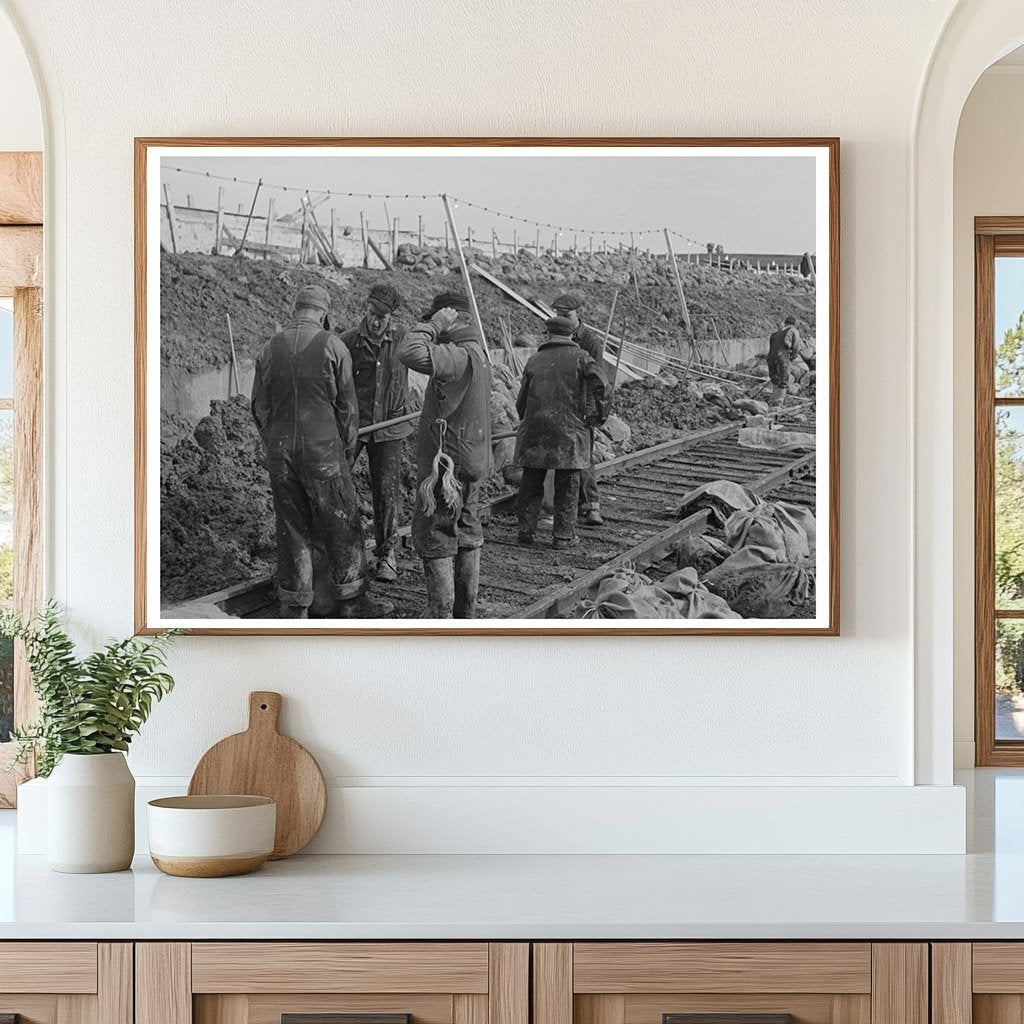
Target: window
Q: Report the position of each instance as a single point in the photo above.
(999, 491)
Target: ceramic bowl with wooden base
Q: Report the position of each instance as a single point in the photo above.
(211, 836)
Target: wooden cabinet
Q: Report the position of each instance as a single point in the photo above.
(754, 982)
(978, 983)
(307, 982)
(66, 982)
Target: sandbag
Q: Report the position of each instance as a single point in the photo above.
(756, 587)
(693, 600)
(768, 526)
(627, 595)
(701, 553)
(804, 517)
(723, 497)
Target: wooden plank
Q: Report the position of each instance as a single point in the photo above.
(163, 983)
(380, 255)
(899, 983)
(558, 603)
(606, 1009)
(21, 259)
(998, 967)
(21, 188)
(951, 1001)
(552, 983)
(65, 967)
(28, 483)
(469, 1009)
(508, 993)
(115, 983)
(633, 967)
(779, 476)
(339, 967)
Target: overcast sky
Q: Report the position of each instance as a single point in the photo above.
(748, 203)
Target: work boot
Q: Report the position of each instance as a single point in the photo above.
(294, 611)
(387, 567)
(592, 517)
(439, 574)
(467, 582)
(525, 537)
(365, 607)
(563, 543)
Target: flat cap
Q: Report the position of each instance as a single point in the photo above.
(313, 297)
(560, 326)
(568, 301)
(384, 298)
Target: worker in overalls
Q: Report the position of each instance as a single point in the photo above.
(304, 404)
(453, 452)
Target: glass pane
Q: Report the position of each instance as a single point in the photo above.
(1009, 679)
(6, 353)
(1009, 532)
(1009, 338)
(6, 566)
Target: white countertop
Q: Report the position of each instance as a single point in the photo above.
(517, 897)
(977, 896)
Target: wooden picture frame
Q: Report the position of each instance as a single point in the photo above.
(156, 211)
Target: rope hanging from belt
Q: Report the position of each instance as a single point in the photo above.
(442, 471)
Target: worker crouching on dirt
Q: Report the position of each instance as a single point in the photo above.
(561, 400)
(304, 404)
(453, 453)
(569, 305)
(784, 347)
(382, 390)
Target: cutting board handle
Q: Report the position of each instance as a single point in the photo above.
(264, 710)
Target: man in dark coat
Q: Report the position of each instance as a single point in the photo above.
(382, 389)
(455, 422)
(561, 399)
(304, 404)
(592, 342)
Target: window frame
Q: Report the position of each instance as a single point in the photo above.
(993, 237)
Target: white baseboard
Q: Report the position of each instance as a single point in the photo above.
(571, 819)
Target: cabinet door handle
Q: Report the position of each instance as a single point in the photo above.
(727, 1018)
(337, 1018)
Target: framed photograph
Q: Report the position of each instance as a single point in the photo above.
(498, 386)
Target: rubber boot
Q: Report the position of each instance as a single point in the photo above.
(467, 582)
(294, 611)
(439, 574)
(365, 607)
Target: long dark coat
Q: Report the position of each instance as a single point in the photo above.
(562, 396)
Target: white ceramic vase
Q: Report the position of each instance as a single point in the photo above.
(90, 814)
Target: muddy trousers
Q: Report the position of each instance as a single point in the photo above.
(531, 496)
(590, 500)
(453, 585)
(384, 459)
(310, 509)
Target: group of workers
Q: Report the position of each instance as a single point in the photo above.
(315, 392)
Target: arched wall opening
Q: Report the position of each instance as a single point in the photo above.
(976, 35)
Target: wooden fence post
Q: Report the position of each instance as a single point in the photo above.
(469, 238)
(575, 242)
(538, 243)
(494, 243)
(394, 239)
(363, 233)
(419, 229)
(218, 227)
(447, 247)
(332, 229)
(268, 227)
(170, 217)
(515, 241)
(465, 277)
(682, 296)
(248, 220)
(554, 245)
(302, 239)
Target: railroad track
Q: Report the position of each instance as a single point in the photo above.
(640, 497)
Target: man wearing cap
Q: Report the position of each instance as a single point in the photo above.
(561, 399)
(592, 342)
(304, 404)
(455, 425)
(382, 390)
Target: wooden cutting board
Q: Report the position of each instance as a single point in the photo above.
(262, 762)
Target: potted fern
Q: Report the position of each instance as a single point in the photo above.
(90, 708)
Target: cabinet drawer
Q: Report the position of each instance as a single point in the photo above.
(332, 983)
(730, 983)
(65, 967)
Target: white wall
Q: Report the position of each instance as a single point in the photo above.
(987, 181)
(21, 127)
(425, 715)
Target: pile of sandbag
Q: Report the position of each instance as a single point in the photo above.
(625, 594)
(763, 564)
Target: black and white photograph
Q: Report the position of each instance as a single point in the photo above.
(403, 386)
